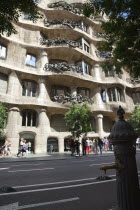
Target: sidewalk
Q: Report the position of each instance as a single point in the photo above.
(52, 156)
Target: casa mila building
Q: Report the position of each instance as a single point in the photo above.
(51, 64)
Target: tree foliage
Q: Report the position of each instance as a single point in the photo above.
(11, 10)
(122, 32)
(79, 120)
(135, 119)
(3, 116)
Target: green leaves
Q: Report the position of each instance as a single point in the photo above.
(135, 119)
(3, 116)
(11, 10)
(79, 120)
(122, 31)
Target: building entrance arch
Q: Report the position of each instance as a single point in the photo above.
(52, 144)
(30, 141)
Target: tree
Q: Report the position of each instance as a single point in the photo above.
(3, 116)
(135, 119)
(122, 32)
(11, 10)
(79, 120)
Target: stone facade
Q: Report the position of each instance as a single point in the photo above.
(52, 63)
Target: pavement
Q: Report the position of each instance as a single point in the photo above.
(51, 156)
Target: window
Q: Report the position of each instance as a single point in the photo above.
(84, 27)
(109, 73)
(115, 94)
(86, 68)
(86, 47)
(3, 50)
(58, 90)
(37, 1)
(3, 83)
(30, 60)
(103, 95)
(136, 97)
(57, 123)
(29, 88)
(83, 91)
(26, 16)
(111, 94)
(29, 118)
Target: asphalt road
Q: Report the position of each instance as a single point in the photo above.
(59, 184)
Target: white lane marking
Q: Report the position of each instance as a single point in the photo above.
(48, 203)
(3, 168)
(28, 164)
(56, 188)
(98, 164)
(36, 169)
(53, 183)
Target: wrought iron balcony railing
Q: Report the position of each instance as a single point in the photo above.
(103, 54)
(64, 22)
(99, 35)
(66, 6)
(65, 98)
(59, 41)
(62, 67)
(133, 80)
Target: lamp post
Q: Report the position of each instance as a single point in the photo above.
(123, 139)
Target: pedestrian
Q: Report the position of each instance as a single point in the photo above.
(87, 146)
(51, 148)
(100, 144)
(84, 146)
(20, 147)
(24, 148)
(72, 147)
(77, 147)
(9, 148)
(138, 142)
(96, 146)
(29, 147)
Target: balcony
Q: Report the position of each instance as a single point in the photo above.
(65, 6)
(133, 81)
(65, 98)
(106, 55)
(62, 67)
(65, 22)
(59, 42)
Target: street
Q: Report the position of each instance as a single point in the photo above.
(69, 184)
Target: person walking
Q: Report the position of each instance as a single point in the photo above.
(100, 144)
(96, 146)
(84, 146)
(87, 146)
(20, 148)
(72, 146)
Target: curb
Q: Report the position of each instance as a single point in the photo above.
(33, 159)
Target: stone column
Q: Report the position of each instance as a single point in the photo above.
(43, 130)
(97, 72)
(12, 128)
(100, 125)
(98, 99)
(61, 145)
(44, 60)
(43, 94)
(13, 85)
